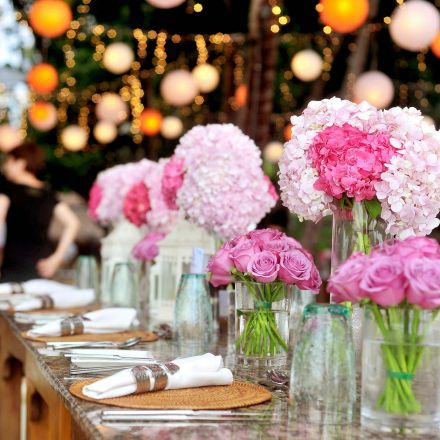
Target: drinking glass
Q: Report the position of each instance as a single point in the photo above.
(124, 286)
(86, 273)
(193, 319)
(323, 377)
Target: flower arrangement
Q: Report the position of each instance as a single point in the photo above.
(264, 261)
(397, 282)
(341, 153)
(216, 180)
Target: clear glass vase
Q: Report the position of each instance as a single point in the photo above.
(262, 323)
(124, 285)
(401, 370)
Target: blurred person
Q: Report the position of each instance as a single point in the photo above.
(27, 207)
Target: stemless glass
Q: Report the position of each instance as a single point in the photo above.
(193, 311)
(323, 378)
(124, 286)
(86, 273)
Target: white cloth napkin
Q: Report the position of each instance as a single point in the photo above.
(196, 371)
(38, 287)
(61, 300)
(112, 320)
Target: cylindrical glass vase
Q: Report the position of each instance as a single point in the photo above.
(401, 370)
(262, 323)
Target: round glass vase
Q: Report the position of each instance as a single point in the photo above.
(262, 323)
(401, 370)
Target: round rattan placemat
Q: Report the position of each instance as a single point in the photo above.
(114, 337)
(237, 395)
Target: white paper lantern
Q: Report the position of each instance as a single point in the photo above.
(179, 88)
(428, 121)
(374, 87)
(10, 137)
(118, 58)
(74, 138)
(273, 151)
(306, 65)
(105, 132)
(111, 108)
(166, 4)
(207, 77)
(414, 25)
(172, 127)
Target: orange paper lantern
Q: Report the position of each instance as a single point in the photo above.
(50, 18)
(344, 15)
(288, 132)
(241, 95)
(43, 78)
(435, 47)
(151, 121)
(43, 115)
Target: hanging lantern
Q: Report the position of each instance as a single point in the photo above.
(241, 95)
(166, 4)
(206, 76)
(179, 88)
(288, 132)
(374, 87)
(10, 137)
(105, 132)
(50, 18)
(344, 15)
(43, 115)
(414, 25)
(117, 58)
(435, 46)
(150, 120)
(74, 138)
(171, 128)
(306, 65)
(111, 108)
(428, 121)
(273, 151)
(42, 78)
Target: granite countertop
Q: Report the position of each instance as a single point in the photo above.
(87, 415)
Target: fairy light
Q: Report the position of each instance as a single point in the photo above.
(160, 56)
(135, 96)
(142, 43)
(198, 7)
(202, 51)
(327, 30)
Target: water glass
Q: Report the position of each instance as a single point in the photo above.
(124, 286)
(86, 273)
(193, 319)
(323, 377)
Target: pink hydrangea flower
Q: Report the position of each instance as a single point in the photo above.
(95, 196)
(172, 181)
(137, 204)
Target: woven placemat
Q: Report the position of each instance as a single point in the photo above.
(114, 337)
(237, 395)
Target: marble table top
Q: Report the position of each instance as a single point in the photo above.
(87, 415)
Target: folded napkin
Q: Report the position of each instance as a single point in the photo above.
(196, 371)
(55, 300)
(112, 320)
(36, 287)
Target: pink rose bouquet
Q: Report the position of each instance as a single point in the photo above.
(215, 179)
(396, 282)
(264, 260)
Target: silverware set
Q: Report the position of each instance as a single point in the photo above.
(131, 342)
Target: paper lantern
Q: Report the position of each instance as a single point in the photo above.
(74, 138)
(111, 108)
(50, 18)
(151, 120)
(166, 4)
(42, 78)
(428, 121)
(273, 151)
(306, 65)
(288, 132)
(171, 128)
(374, 87)
(241, 95)
(118, 58)
(179, 88)
(435, 46)
(207, 77)
(414, 25)
(105, 132)
(10, 138)
(43, 115)
(344, 15)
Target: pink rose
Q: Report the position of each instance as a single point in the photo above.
(237, 241)
(276, 246)
(172, 181)
(314, 283)
(423, 275)
(242, 253)
(220, 266)
(383, 281)
(295, 268)
(147, 249)
(413, 247)
(263, 267)
(263, 236)
(344, 283)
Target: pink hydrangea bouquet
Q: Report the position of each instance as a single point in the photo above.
(264, 261)
(216, 180)
(399, 283)
(342, 153)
